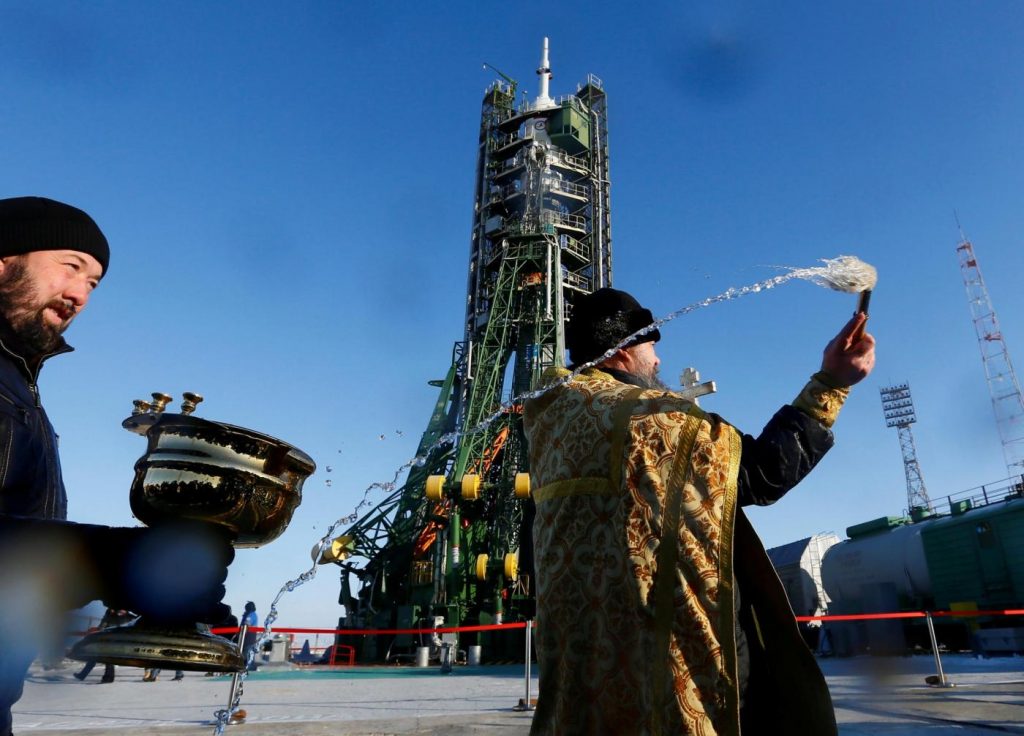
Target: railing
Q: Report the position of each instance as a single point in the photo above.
(503, 87)
(336, 655)
(573, 246)
(558, 185)
(509, 189)
(561, 101)
(576, 280)
(558, 218)
(984, 495)
(512, 163)
(561, 157)
(505, 140)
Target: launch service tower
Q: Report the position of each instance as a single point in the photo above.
(452, 545)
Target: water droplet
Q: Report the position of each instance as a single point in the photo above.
(329, 468)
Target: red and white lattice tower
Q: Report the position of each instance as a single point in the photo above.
(1002, 381)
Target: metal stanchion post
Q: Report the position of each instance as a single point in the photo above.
(529, 646)
(940, 680)
(527, 702)
(237, 716)
(447, 657)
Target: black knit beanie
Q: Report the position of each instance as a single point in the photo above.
(36, 223)
(601, 320)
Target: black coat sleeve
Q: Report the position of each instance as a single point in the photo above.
(772, 463)
(174, 572)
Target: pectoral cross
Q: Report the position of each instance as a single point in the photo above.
(692, 387)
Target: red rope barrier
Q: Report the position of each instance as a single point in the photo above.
(911, 614)
(372, 632)
(1007, 612)
(228, 630)
(862, 616)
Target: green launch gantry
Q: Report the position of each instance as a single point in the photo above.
(452, 546)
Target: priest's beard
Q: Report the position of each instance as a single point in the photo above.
(648, 377)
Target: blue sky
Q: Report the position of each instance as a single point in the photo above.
(287, 189)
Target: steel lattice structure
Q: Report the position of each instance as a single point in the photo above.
(453, 542)
(1002, 381)
(898, 407)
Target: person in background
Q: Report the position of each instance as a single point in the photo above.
(250, 619)
(152, 673)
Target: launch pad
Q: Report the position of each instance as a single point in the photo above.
(873, 695)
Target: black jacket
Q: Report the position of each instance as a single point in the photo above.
(30, 478)
(93, 561)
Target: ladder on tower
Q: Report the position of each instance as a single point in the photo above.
(814, 558)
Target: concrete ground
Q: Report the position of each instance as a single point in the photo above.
(884, 696)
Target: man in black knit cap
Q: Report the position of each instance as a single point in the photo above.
(52, 256)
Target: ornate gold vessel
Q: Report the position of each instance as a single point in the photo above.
(245, 482)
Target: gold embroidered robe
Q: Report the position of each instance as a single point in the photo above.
(620, 649)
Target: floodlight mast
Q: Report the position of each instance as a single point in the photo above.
(898, 407)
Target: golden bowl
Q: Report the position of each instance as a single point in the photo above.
(248, 482)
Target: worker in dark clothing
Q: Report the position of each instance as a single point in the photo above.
(251, 620)
(52, 257)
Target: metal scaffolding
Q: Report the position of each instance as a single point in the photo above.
(452, 544)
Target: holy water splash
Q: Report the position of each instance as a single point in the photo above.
(843, 273)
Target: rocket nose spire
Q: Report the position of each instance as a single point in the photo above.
(544, 59)
(544, 72)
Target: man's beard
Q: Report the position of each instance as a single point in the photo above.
(33, 334)
(651, 379)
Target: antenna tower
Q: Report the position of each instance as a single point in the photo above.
(1002, 381)
(898, 407)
